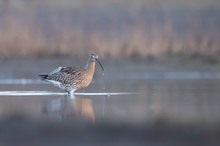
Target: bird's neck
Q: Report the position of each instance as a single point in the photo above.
(90, 67)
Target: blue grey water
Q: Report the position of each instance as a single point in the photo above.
(185, 97)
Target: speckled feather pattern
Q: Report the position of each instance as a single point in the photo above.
(66, 75)
(72, 77)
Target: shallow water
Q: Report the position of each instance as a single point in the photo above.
(131, 104)
(177, 97)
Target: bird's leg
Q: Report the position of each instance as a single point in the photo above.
(70, 94)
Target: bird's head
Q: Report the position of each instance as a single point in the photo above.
(94, 58)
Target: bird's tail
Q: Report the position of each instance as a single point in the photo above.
(43, 77)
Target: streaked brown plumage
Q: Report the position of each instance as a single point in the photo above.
(73, 78)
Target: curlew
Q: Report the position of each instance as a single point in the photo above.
(71, 79)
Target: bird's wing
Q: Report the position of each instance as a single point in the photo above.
(65, 75)
(56, 70)
(71, 70)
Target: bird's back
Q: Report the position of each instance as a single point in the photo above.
(67, 75)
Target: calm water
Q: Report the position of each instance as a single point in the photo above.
(133, 98)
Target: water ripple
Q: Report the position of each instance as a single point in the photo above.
(46, 93)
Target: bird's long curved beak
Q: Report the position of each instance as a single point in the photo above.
(100, 64)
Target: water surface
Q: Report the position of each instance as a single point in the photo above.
(181, 97)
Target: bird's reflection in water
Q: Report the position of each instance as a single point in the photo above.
(74, 108)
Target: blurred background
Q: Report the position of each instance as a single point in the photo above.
(137, 29)
(163, 53)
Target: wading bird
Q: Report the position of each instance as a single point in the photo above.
(71, 79)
